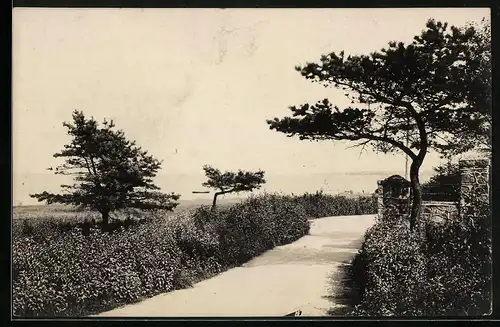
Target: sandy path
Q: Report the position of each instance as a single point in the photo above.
(280, 281)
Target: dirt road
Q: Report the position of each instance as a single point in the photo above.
(282, 280)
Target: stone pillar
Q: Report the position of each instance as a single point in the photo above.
(393, 197)
(474, 185)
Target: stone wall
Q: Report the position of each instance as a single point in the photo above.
(475, 181)
(438, 211)
(475, 184)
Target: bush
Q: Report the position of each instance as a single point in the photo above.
(199, 250)
(54, 220)
(85, 270)
(253, 226)
(459, 254)
(74, 274)
(319, 205)
(393, 271)
(448, 273)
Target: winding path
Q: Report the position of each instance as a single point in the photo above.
(296, 276)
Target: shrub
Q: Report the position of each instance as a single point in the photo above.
(199, 249)
(459, 254)
(319, 205)
(253, 226)
(448, 273)
(54, 220)
(393, 271)
(85, 270)
(74, 275)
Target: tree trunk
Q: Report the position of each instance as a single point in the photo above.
(416, 189)
(416, 207)
(214, 203)
(105, 218)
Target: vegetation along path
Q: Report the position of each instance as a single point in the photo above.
(297, 276)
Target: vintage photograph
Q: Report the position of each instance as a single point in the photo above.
(251, 162)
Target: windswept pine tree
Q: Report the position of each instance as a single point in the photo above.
(110, 172)
(433, 93)
(231, 182)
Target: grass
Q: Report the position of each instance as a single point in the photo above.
(53, 211)
(70, 213)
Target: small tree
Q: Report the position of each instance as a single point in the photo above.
(421, 92)
(231, 182)
(110, 172)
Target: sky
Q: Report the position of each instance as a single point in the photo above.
(196, 86)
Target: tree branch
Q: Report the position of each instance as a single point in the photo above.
(395, 143)
(424, 144)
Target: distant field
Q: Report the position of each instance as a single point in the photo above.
(64, 212)
(54, 211)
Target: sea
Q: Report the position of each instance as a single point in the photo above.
(185, 184)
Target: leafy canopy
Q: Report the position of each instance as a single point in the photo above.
(433, 89)
(110, 172)
(478, 137)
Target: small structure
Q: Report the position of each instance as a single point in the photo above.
(393, 192)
